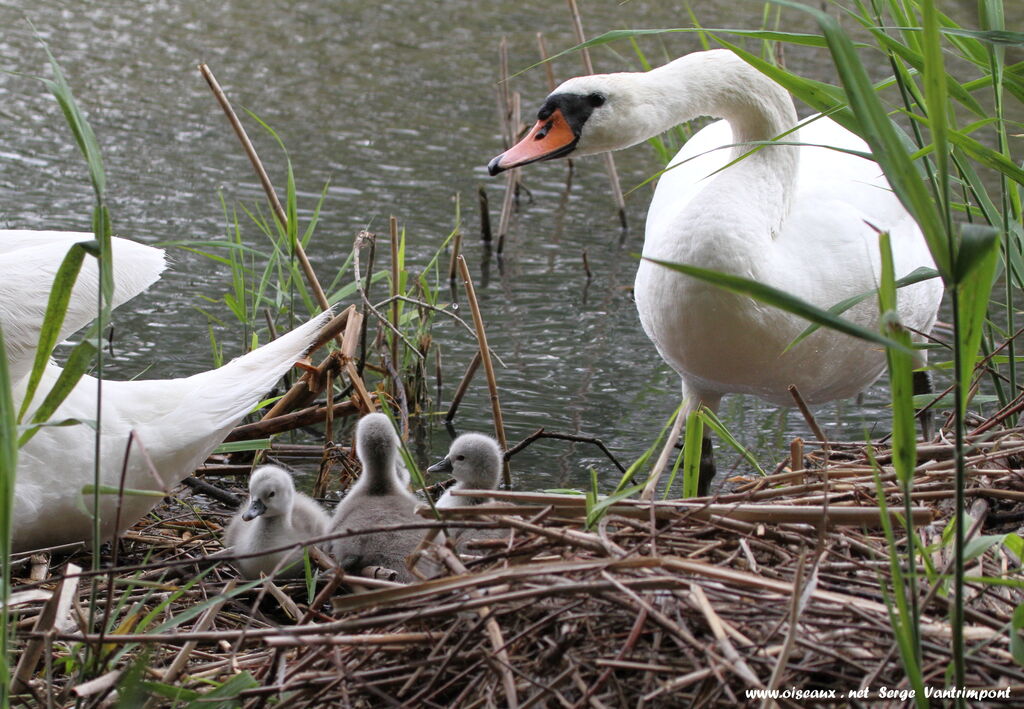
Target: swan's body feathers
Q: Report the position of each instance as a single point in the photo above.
(177, 422)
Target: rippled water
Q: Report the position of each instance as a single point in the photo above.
(394, 105)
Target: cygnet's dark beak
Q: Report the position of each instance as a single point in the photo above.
(256, 508)
(442, 466)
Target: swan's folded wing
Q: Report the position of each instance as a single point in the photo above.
(29, 262)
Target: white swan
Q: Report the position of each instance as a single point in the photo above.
(380, 498)
(474, 460)
(276, 516)
(176, 421)
(791, 217)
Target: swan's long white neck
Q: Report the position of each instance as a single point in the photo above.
(715, 83)
(719, 84)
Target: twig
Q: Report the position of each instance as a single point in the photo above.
(541, 433)
(812, 423)
(460, 392)
(395, 290)
(485, 353)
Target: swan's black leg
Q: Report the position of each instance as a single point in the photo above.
(707, 467)
(923, 385)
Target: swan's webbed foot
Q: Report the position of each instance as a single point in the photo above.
(923, 384)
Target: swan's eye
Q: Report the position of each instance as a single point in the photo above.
(272, 493)
(596, 100)
(460, 457)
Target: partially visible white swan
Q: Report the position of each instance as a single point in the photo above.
(276, 516)
(793, 217)
(177, 421)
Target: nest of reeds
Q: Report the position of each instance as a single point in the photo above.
(699, 603)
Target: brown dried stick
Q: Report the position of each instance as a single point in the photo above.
(485, 355)
(808, 416)
(609, 160)
(463, 387)
(394, 291)
(257, 165)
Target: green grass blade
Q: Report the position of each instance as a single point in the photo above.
(979, 256)
(711, 420)
(916, 276)
(77, 364)
(8, 474)
(692, 448)
(887, 147)
(53, 320)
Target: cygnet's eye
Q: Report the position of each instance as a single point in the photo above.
(596, 100)
(460, 457)
(272, 493)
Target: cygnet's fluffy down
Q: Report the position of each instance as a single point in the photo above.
(380, 498)
(276, 515)
(474, 460)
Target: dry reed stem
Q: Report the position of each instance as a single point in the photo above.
(609, 159)
(463, 387)
(268, 188)
(485, 355)
(493, 629)
(666, 451)
(393, 229)
(57, 606)
(812, 422)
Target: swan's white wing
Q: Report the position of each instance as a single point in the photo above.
(28, 265)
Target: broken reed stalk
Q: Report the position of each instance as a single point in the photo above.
(309, 386)
(808, 417)
(348, 359)
(485, 355)
(504, 96)
(463, 387)
(485, 216)
(291, 420)
(549, 71)
(666, 452)
(453, 269)
(268, 187)
(393, 223)
(609, 160)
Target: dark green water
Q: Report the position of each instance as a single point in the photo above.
(394, 104)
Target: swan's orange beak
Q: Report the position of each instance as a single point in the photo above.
(549, 138)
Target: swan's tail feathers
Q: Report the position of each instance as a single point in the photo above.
(241, 383)
(29, 262)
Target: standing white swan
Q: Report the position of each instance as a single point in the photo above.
(178, 422)
(800, 218)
